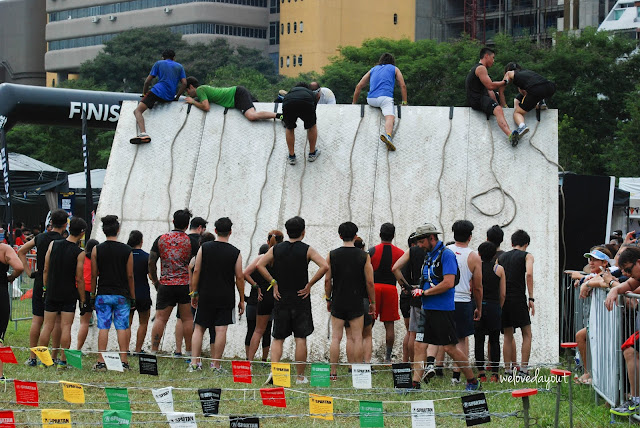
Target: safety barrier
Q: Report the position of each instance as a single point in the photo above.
(628, 378)
(20, 293)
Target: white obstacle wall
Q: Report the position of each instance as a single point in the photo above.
(223, 165)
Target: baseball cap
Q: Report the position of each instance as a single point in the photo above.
(426, 229)
(597, 254)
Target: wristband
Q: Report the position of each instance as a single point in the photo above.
(531, 299)
(254, 286)
(611, 283)
(404, 103)
(271, 284)
(193, 294)
(373, 302)
(506, 82)
(328, 299)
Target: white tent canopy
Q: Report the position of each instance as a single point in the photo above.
(78, 181)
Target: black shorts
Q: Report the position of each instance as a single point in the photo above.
(515, 314)
(170, 295)
(439, 328)
(69, 306)
(491, 319)
(209, 317)
(405, 304)
(265, 306)
(243, 100)
(368, 318)
(5, 310)
(464, 319)
(347, 311)
(295, 109)
(485, 104)
(142, 305)
(151, 99)
(296, 321)
(535, 94)
(37, 301)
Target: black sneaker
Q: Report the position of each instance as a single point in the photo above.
(415, 385)
(514, 138)
(125, 366)
(279, 116)
(100, 367)
(542, 105)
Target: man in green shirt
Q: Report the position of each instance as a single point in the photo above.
(234, 97)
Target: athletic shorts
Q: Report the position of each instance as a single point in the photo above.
(387, 302)
(171, 295)
(416, 320)
(464, 319)
(515, 314)
(491, 319)
(250, 311)
(486, 104)
(209, 317)
(298, 109)
(5, 309)
(347, 312)
(536, 94)
(243, 100)
(142, 305)
(368, 318)
(383, 103)
(58, 307)
(288, 321)
(265, 306)
(631, 341)
(439, 328)
(37, 300)
(151, 99)
(405, 304)
(112, 307)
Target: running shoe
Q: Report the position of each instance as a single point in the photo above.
(269, 380)
(100, 367)
(429, 373)
(415, 385)
(542, 105)
(386, 139)
(313, 156)
(125, 366)
(473, 386)
(522, 130)
(219, 371)
(455, 381)
(194, 367)
(31, 362)
(514, 138)
(279, 116)
(291, 159)
(302, 381)
(628, 408)
(495, 378)
(482, 377)
(333, 377)
(61, 364)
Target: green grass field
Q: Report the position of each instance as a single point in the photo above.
(244, 399)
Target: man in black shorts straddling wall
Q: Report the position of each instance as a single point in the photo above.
(349, 277)
(480, 91)
(300, 102)
(533, 89)
(291, 290)
(233, 97)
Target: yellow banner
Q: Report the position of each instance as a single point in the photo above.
(321, 406)
(281, 374)
(56, 418)
(43, 353)
(73, 392)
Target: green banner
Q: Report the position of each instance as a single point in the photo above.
(118, 398)
(116, 418)
(371, 414)
(320, 374)
(74, 358)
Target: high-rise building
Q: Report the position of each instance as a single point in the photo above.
(624, 18)
(77, 29)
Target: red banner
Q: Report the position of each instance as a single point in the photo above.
(7, 355)
(7, 420)
(241, 371)
(273, 397)
(26, 393)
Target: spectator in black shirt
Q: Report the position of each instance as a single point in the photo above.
(63, 268)
(143, 295)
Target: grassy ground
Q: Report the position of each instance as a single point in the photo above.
(172, 372)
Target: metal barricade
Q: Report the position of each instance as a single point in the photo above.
(20, 295)
(629, 385)
(574, 311)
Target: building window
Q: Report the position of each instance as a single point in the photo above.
(281, 62)
(274, 6)
(294, 60)
(288, 61)
(395, 19)
(288, 28)
(300, 59)
(295, 27)
(274, 35)
(301, 26)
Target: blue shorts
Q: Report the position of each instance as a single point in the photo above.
(112, 307)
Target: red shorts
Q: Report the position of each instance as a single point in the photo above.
(387, 302)
(631, 341)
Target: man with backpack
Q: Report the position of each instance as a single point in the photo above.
(440, 274)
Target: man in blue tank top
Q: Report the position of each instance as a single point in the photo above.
(169, 74)
(381, 79)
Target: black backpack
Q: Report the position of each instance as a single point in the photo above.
(436, 265)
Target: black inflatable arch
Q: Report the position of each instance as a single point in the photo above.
(58, 107)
